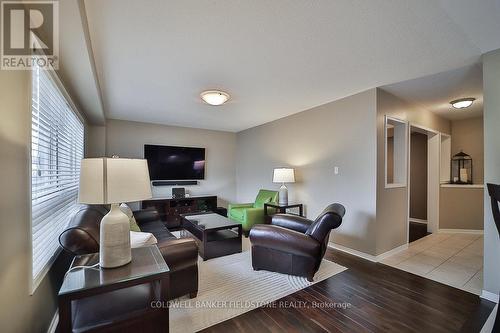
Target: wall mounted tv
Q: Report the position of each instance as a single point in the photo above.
(175, 163)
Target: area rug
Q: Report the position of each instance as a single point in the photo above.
(229, 287)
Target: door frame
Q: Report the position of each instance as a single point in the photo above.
(433, 177)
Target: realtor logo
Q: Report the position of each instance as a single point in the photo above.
(30, 35)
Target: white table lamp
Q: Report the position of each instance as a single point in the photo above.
(113, 181)
(283, 175)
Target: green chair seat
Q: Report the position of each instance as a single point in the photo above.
(249, 214)
(237, 213)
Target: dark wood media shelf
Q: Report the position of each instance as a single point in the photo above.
(170, 208)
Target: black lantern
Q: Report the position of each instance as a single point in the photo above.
(461, 168)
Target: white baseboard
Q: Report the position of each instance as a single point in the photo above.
(53, 323)
(353, 252)
(389, 253)
(462, 231)
(411, 219)
(489, 296)
(367, 256)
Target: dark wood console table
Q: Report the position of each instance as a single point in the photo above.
(170, 209)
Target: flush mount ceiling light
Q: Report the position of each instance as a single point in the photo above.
(462, 103)
(214, 97)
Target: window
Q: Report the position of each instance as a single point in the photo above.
(57, 144)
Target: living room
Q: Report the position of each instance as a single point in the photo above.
(248, 141)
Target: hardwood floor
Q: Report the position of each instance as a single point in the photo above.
(380, 299)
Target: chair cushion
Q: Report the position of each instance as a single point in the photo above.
(265, 196)
(133, 223)
(140, 239)
(237, 213)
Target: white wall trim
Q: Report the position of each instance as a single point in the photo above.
(353, 252)
(462, 231)
(389, 253)
(53, 324)
(412, 219)
(489, 296)
(367, 256)
(476, 186)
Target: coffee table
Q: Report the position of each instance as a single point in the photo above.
(215, 235)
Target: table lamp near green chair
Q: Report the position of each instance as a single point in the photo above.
(283, 175)
(113, 181)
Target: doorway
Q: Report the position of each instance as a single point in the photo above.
(424, 170)
(418, 185)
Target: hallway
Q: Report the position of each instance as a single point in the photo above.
(450, 258)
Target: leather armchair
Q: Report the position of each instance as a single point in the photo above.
(250, 214)
(292, 244)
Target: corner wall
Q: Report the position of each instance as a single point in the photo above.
(127, 139)
(341, 133)
(491, 87)
(392, 203)
(468, 135)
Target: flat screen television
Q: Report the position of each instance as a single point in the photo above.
(175, 163)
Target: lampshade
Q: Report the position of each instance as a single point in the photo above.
(113, 180)
(283, 175)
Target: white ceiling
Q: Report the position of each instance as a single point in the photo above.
(435, 92)
(275, 58)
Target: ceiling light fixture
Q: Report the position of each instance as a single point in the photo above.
(214, 97)
(462, 103)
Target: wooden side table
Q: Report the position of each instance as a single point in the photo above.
(132, 297)
(281, 209)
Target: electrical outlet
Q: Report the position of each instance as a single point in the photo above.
(336, 170)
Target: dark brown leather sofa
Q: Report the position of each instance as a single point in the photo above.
(292, 244)
(181, 255)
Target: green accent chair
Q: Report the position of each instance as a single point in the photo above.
(249, 214)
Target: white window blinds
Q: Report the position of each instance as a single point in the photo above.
(57, 145)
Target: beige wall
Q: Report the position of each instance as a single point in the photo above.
(95, 141)
(340, 133)
(461, 208)
(20, 312)
(127, 139)
(392, 203)
(491, 87)
(418, 176)
(467, 135)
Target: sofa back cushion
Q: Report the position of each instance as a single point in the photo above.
(265, 196)
(128, 211)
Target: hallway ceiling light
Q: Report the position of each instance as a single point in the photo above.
(214, 97)
(462, 102)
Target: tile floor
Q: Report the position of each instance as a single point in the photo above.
(450, 258)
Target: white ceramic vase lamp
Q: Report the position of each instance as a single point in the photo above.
(113, 181)
(283, 175)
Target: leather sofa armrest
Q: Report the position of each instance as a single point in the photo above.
(146, 215)
(285, 240)
(179, 253)
(292, 222)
